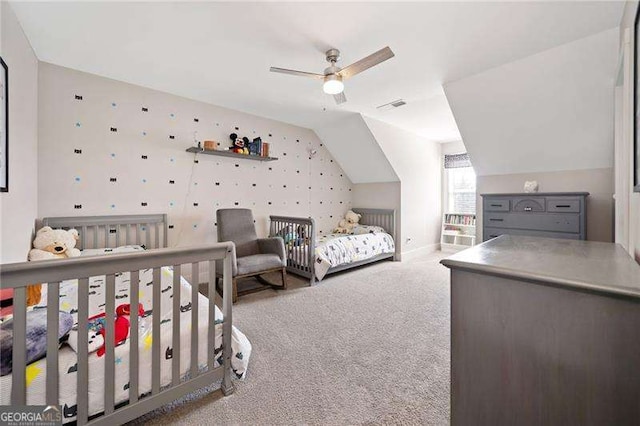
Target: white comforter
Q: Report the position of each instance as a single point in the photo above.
(36, 381)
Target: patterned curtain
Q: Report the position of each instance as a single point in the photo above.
(456, 161)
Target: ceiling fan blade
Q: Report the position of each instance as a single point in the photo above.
(298, 73)
(366, 63)
(340, 98)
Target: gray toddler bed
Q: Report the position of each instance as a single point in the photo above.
(303, 262)
(112, 231)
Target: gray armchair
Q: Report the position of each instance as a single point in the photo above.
(251, 256)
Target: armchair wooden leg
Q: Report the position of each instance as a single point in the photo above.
(284, 278)
(235, 290)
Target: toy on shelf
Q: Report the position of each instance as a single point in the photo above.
(239, 145)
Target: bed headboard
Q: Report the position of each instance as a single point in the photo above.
(149, 230)
(385, 218)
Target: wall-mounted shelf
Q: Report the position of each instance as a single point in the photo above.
(220, 153)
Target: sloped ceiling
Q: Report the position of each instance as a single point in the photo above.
(356, 150)
(550, 111)
(220, 52)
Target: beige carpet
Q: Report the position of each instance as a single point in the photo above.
(368, 346)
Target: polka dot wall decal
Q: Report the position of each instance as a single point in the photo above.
(78, 124)
(113, 104)
(172, 115)
(172, 159)
(77, 179)
(113, 206)
(195, 225)
(113, 155)
(144, 181)
(170, 203)
(144, 133)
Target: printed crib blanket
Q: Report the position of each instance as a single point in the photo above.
(36, 383)
(340, 249)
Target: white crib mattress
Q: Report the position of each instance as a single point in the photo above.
(36, 371)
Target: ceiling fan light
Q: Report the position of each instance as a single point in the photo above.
(333, 84)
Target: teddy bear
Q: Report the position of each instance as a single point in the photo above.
(346, 225)
(239, 145)
(342, 227)
(54, 244)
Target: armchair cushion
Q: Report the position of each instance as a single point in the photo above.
(273, 245)
(258, 262)
(237, 225)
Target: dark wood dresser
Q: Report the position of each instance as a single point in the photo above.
(544, 332)
(542, 214)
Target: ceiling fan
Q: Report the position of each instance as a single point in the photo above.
(333, 75)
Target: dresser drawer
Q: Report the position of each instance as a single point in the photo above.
(569, 205)
(496, 205)
(555, 222)
(489, 233)
(529, 204)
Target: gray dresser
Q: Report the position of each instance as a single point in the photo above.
(544, 332)
(542, 214)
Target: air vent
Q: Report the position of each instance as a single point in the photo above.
(394, 104)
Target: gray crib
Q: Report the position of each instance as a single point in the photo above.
(301, 261)
(111, 231)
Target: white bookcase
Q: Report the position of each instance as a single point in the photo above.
(458, 231)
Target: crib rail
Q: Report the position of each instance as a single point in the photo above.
(113, 231)
(384, 218)
(299, 236)
(19, 275)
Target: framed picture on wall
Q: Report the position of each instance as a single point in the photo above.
(4, 126)
(636, 106)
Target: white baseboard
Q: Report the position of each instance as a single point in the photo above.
(420, 252)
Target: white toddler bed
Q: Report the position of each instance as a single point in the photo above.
(153, 366)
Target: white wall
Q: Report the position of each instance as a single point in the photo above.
(455, 147)
(79, 183)
(383, 195)
(19, 206)
(418, 165)
(624, 161)
(547, 112)
(356, 149)
(547, 117)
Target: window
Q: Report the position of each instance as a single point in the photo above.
(460, 182)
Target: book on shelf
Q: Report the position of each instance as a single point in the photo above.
(265, 149)
(460, 219)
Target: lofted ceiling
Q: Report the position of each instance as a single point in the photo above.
(220, 53)
(548, 112)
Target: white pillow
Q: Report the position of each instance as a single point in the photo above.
(102, 251)
(367, 229)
